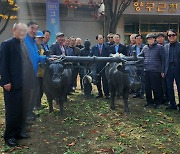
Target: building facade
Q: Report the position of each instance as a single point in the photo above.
(145, 16)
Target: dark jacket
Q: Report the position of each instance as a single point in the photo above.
(76, 50)
(56, 50)
(177, 57)
(140, 65)
(105, 53)
(122, 49)
(153, 58)
(133, 48)
(11, 63)
(109, 43)
(85, 52)
(69, 51)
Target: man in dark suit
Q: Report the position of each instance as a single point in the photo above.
(172, 67)
(132, 43)
(58, 47)
(15, 70)
(117, 47)
(101, 50)
(75, 71)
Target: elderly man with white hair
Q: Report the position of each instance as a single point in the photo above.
(16, 74)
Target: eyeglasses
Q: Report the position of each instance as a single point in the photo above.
(110, 37)
(171, 35)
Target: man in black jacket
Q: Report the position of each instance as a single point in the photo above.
(172, 67)
(160, 38)
(153, 54)
(117, 47)
(16, 76)
(58, 47)
(101, 50)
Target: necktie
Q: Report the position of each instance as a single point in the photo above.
(62, 50)
(100, 49)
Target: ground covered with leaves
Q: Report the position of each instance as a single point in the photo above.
(89, 126)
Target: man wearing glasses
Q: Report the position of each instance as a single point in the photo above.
(110, 39)
(172, 67)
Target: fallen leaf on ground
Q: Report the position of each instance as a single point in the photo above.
(110, 151)
(72, 144)
(103, 115)
(12, 149)
(143, 147)
(65, 139)
(161, 147)
(123, 135)
(159, 113)
(94, 131)
(160, 122)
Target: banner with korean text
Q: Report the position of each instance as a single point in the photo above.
(154, 7)
(52, 18)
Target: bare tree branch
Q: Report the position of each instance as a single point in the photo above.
(9, 15)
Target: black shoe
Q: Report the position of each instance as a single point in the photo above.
(136, 96)
(171, 107)
(156, 106)
(29, 122)
(107, 97)
(11, 142)
(35, 115)
(23, 136)
(31, 118)
(141, 97)
(178, 106)
(148, 105)
(99, 96)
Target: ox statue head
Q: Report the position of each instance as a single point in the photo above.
(56, 72)
(130, 68)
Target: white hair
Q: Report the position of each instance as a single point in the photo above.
(19, 24)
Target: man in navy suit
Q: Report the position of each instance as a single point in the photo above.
(117, 47)
(172, 67)
(16, 74)
(58, 47)
(101, 50)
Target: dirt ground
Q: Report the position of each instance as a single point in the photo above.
(89, 126)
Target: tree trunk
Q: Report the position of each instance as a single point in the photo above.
(9, 15)
(113, 12)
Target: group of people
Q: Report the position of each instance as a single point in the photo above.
(161, 66)
(21, 71)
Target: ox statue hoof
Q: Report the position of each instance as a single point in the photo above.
(61, 113)
(126, 111)
(112, 107)
(51, 110)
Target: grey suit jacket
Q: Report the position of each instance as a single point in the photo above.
(55, 49)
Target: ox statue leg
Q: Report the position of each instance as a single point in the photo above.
(50, 104)
(62, 99)
(113, 95)
(125, 98)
